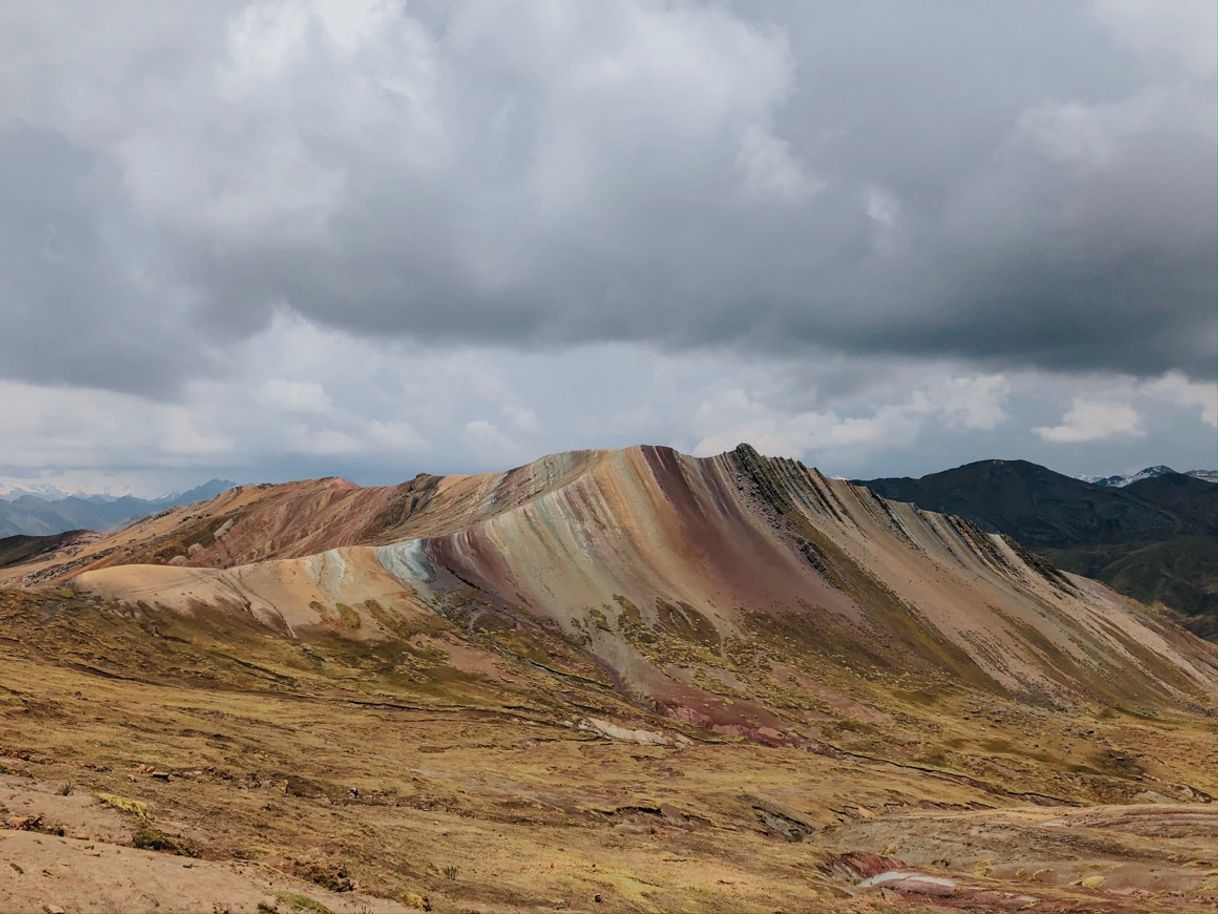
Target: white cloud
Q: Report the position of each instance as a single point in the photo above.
(882, 206)
(734, 416)
(53, 428)
(392, 410)
(1096, 137)
(183, 439)
(1178, 35)
(1178, 389)
(737, 415)
(397, 436)
(327, 442)
(294, 396)
(521, 417)
(771, 171)
(971, 402)
(1094, 420)
(487, 441)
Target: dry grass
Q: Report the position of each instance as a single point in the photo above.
(420, 780)
(123, 804)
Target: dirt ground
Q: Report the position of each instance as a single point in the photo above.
(174, 772)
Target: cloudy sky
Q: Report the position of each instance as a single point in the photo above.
(270, 240)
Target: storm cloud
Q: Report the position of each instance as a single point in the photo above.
(1019, 184)
(973, 192)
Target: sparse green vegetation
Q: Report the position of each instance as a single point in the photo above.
(150, 838)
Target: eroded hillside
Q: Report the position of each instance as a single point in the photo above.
(787, 683)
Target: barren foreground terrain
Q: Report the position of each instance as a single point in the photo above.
(620, 681)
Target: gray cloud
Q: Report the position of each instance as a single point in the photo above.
(1024, 185)
(82, 302)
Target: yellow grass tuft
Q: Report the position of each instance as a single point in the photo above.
(123, 804)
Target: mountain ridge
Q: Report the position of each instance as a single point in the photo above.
(1153, 539)
(568, 545)
(610, 653)
(1119, 481)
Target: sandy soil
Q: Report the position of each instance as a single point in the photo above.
(47, 874)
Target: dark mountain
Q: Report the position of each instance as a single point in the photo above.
(1194, 501)
(22, 548)
(1155, 539)
(1039, 507)
(32, 515)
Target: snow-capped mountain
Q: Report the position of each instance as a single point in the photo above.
(1120, 482)
(10, 491)
(40, 510)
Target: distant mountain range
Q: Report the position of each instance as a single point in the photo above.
(1120, 482)
(1153, 536)
(24, 512)
(9, 491)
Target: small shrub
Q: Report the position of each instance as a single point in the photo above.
(450, 873)
(66, 788)
(151, 838)
(332, 876)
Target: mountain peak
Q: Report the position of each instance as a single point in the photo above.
(1120, 482)
(625, 551)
